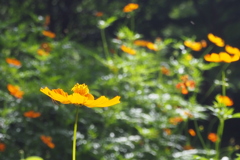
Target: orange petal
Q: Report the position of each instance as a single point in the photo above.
(49, 34)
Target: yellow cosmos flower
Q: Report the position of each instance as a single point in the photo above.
(216, 40)
(147, 44)
(80, 96)
(128, 50)
(41, 52)
(196, 46)
(232, 50)
(142, 43)
(130, 7)
(221, 57)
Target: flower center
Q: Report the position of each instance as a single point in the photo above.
(81, 89)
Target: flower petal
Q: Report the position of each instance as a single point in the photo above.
(225, 57)
(76, 98)
(56, 94)
(102, 102)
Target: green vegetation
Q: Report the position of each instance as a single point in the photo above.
(178, 99)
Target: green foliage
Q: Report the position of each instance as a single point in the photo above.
(155, 113)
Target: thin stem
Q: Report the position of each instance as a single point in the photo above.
(219, 137)
(22, 154)
(199, 134)
(132, 22)
(75, 135)
(213, 86)
(224, 84)
(104, 41)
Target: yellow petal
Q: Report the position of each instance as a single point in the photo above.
(225, 57)
(76, 98)
(56, 94)
(102, 102)
(232, 50)
(215, 57)
(207, 57)
(235, 58)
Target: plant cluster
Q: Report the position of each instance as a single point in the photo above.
(159, 115)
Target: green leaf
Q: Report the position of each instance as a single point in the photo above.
(104, 24)
(34, 158)
(236, 115)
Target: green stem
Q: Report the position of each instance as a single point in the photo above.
(22, 154)
(75, 135)
(213, 86)
(132, 22)
(219, 137)
(199, 134)
(224, 84)
(105, 46)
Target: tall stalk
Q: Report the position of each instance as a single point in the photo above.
(221, 120)
(75, 135)
(219, 137)
(104, 41)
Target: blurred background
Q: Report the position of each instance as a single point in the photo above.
(138, 127)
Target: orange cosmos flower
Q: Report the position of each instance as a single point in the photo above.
(15, 91)
(130, 7)
(167, 131)
(46, 47)
(175, 120)
(2, 147)
(147, 44)
(80, 96)
(49, 34)
(42, 52)
(14, 62)
(221, 57)
(212, 137)
(184, 78)
(151, 46)
(216, 40)
(98, 14)
(185, 85)
(32, 114)
(183, 88)
(47, 20)
(203, 43)
(47, 140)
(225, 100)
(128, 50)
(141, 43)
(188, 147)
(192, 132)
(164, 70)
(232, 50)
(196, 46)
